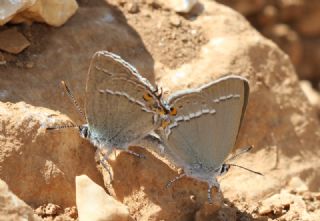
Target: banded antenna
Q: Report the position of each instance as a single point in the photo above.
(75, 103)
(236, 155)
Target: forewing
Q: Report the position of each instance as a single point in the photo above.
(207, 122)
(120, 104)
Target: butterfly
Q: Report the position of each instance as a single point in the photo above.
(121, 106)
(203, 128)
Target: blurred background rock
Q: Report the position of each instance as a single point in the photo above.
(294, 25)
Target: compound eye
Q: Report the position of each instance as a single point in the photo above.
(147, 97)
(173, 111)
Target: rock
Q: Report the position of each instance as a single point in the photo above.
(46, 160)
(208, 211)
(132, 7)
(183, 6)
(11, 8)
(312, 95)
(269, 16)
(309, 65)
(285, 207)
(95, 204)
(175, 21)
(291, 10)
(246, 7)
(13, 41)
(12, 208)
(284, 112)
(53, 12)
(298, 185)
(279, 122)
(48, 210)
(308, 24)
(288, 40)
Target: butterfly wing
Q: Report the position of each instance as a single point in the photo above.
(121, 105)
(207, 122)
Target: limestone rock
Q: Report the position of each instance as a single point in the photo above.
(12, 208)
(13, 41)
(10, 8)
(279, 121)
(277, 105)
(52, 12)
(286, 206)
(95, 204)
(183, 6)
(312, 95)
(47, 161)
(246, 7)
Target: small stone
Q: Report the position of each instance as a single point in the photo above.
(13, 41)
(49, 209)
(13, 208)
(52, 209)
(19, 64)
(71, 212)
(53, 12)
(94, 203)
(175, 21)
(29, 64)
(183, 6)
(132, 7)
(2, 59)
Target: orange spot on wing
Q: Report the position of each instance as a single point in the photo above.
(173, 111)
(147, 97)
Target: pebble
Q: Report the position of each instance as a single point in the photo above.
(13, 41)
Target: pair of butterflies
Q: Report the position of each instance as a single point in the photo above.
(198, 127)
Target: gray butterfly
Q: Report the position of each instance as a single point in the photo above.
(121, 106)
(203, 128)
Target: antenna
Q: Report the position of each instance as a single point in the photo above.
(61, 127)
(74, 101)
(235, 165)
(236, 155)
(239, 153)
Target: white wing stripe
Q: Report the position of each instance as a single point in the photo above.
(119, 93)
(224, 98)
(190, 116)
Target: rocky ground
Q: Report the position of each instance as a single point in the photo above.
(54, 175)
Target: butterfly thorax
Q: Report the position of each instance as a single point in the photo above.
(200, 171)
(90, 135)
(205, 173)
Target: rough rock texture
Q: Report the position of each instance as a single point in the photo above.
(40, 166)
(279, 122)
(10, 8)
(183, 6)
(95, 204)
(12, 41)
(287, 206)
(52, 12)
(293, 25)
(12, 208)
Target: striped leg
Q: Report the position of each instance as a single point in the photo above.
(104, 161)
(175, 179)
(141, 156)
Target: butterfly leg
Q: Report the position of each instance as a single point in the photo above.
(104, 161)
(209, 194)
(141, 156)
(213, 183)
(175, 179)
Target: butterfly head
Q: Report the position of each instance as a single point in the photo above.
(223, 169)
(84, 131)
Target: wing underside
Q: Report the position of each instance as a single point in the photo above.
(116, 109)
(207, 122)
